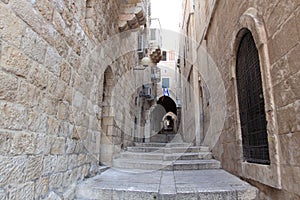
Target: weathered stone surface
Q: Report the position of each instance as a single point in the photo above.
(53, 196)
(23, 143)
(11, 170)
(8, 87)
(53, 125)
(3, 195)
(70, 193)
(49, 164)
(62, 164)
(43, 145)
(38, 77)
(290, 176)
(279, 22)
(25, 191)
(33, 169)
(27, 94)
(11, 28)
(71, 145)
(37, 122)
(44, 46)
(61, 46)
(81, 159)
(280, 71)
(65, 72)
(283, 94)
(5, 1)
(55, 181)
(41, 187)
(280, 14)
(72, 161)
(26, 12)
(58, 146)
(14, 61)
(279, 48)
(63, 111)
(58, 22)
(45, 8)
(290, 149)
(33, 45)
(287, 119)
(297, 16)
(53, 61)
(5, 143)
(293, 59)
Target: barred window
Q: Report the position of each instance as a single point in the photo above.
(251, 102)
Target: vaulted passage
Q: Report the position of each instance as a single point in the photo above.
(168, 104)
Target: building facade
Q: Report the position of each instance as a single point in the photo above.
(65, 101)
(241, 58)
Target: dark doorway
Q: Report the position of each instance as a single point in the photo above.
(251, 102)
(168, 104)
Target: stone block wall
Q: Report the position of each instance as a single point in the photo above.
(51, 81)
(275, 28)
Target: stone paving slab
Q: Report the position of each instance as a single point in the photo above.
(163, 185)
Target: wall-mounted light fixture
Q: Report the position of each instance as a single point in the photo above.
(145, 62)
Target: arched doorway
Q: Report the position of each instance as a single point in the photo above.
(251, 102)
(164, 120)
(107, 118)
(169, 121)
(168, 104)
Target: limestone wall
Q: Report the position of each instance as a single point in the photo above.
(51, 89)
(275, 28)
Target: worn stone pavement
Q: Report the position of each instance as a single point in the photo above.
(145, 184)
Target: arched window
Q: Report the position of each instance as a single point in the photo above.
(251, 102)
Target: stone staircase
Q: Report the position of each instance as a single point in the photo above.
(165, 171)
(166, 156)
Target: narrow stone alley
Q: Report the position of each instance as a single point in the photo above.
(149, 99)
(165, 171)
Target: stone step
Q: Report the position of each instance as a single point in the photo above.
(196, 164)
(168, 157)
(124, 163)
(179, 144)
(160, 144)
(188, 156)
(187, 149)
(168, 149)
(150, 144)
(162, 138)
(142, 155)
(161, 185)
(145, 149)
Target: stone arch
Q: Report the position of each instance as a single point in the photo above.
(251, 101)
(107, 116)
(250, 20)
(170, 121)
(168, 103)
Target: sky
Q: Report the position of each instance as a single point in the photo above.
(169, 14)
(168, 11)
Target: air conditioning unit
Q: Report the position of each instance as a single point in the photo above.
(147, 92)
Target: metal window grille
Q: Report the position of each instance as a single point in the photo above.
(251, 102)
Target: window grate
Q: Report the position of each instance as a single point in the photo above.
(251, 103)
